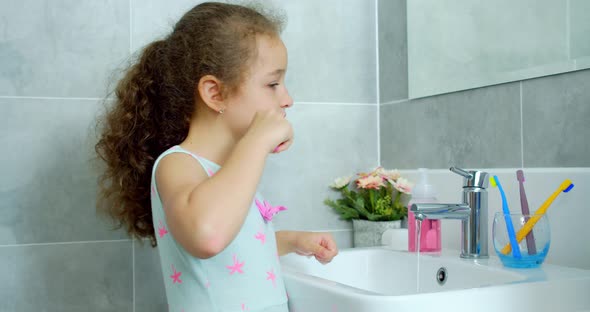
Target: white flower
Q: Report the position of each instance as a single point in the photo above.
(340, 182)
(403, 185)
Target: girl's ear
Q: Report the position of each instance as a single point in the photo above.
(209, 89)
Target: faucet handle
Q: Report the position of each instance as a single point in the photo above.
(473, 178)
(461, 172)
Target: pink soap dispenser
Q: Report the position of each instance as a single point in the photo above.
(430, 239)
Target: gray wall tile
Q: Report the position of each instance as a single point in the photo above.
(61, 48)
(343, 239)
(556, 120)
(150, 294)
(331, 45)
(48, 185)
(67, 278)
(393, 51)
(152, 19)
(330, 141)
(579, 28)
(332, 55)
(474, 128)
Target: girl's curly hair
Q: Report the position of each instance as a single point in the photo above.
(156, 99)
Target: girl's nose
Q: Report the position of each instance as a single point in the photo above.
(287, 101)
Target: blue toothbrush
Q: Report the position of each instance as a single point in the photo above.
(509, 226)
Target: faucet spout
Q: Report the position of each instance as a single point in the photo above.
(441, 211)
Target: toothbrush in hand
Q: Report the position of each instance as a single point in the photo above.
(509, 226)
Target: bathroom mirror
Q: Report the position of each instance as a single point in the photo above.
(463, 44)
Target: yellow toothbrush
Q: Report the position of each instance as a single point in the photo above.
(565, 187)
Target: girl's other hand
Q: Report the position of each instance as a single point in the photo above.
(271, 130)
(320, 245)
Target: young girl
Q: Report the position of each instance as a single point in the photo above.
(189, 133)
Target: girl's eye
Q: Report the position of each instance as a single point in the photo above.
(273, 85)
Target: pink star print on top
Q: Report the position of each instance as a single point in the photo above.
(267, 210)
(260, 236)
(176, 276)
(162, 230)
(271, 276)
(237, 267)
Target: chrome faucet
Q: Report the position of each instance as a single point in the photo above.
(473, 213)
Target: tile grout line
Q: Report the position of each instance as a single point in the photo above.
(521, 130)
(130, 29)
(99, 99)
(331, 231)
(567, 32)
(584, 170)
(133, 239)
(49, 98)
(66, 243)
(393, 102)
(335, 103)
(133, 269)
(338, 230)
(378, 83)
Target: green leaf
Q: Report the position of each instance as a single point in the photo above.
(372, 200)
(345, 212)
(359, 203)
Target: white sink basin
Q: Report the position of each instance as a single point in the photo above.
(379, 279)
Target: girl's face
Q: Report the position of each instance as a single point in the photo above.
(264, 87)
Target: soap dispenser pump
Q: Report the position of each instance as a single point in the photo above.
(430, 233)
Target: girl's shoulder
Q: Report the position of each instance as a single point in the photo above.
(176, 169)
(177, 158)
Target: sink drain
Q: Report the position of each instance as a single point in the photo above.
(441, 276)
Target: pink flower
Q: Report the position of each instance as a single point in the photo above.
(403, 186)
(370, 182)
(388, 174)
(267, 210)
(364, 174)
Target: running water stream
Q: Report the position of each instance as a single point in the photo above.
(418, 230)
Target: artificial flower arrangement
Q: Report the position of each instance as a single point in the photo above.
(380, 195)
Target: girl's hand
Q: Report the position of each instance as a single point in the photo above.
(271, 130)
(320, 245)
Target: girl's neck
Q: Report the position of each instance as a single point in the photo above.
(211, 139)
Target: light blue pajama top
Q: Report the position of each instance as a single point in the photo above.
(245, 276)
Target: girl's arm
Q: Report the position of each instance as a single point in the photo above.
(205, 214)
(319, 245)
